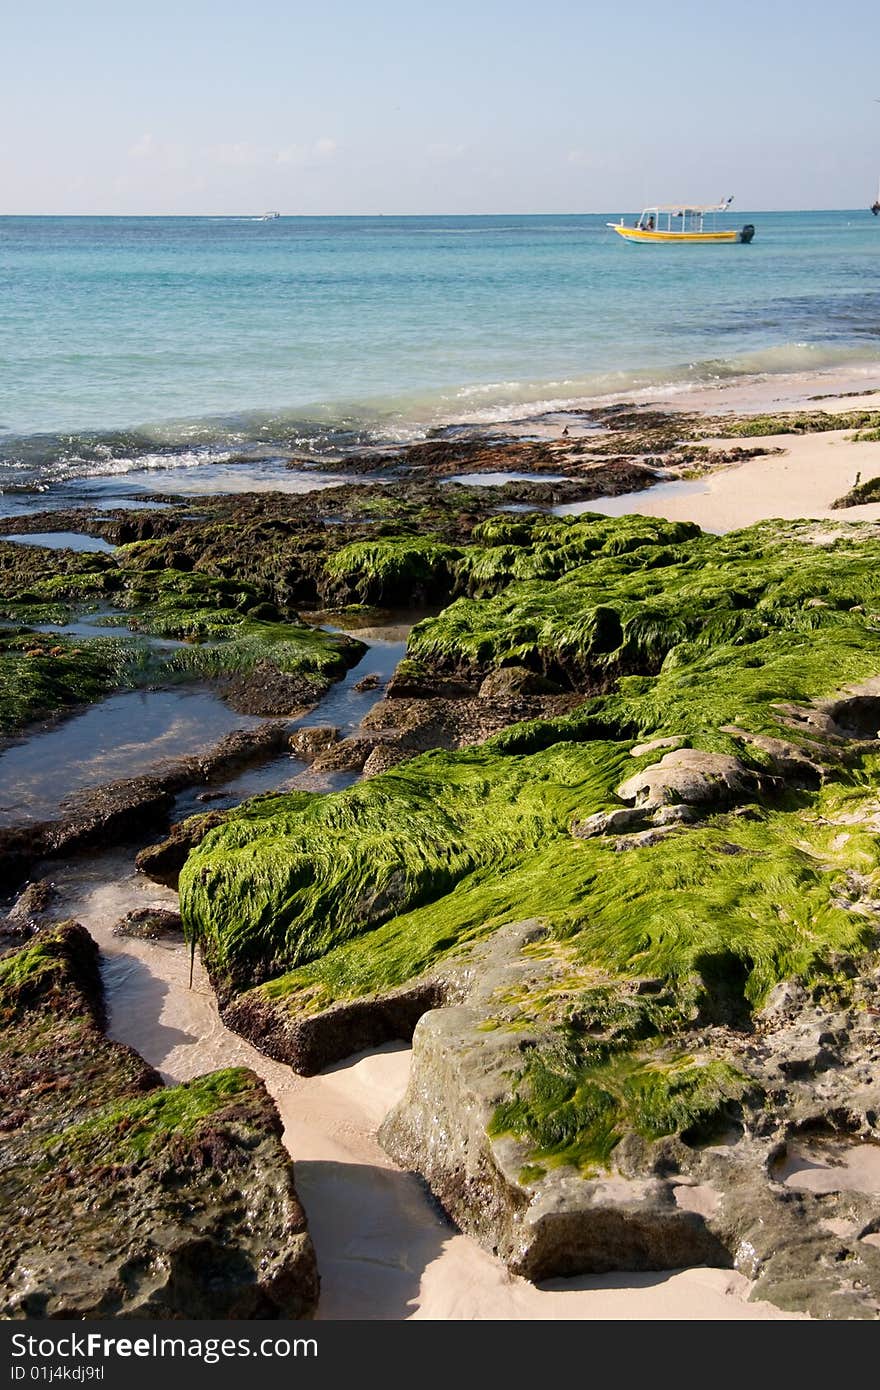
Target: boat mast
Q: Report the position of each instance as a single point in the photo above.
(875, 206)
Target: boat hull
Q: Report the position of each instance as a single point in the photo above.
(688, 238)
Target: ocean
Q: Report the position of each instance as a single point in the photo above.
(156, 354)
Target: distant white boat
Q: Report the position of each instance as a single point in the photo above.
(269, 216)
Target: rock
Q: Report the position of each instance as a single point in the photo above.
(644, 839)
(371, 682)
(124, 1198)
(696, 778)
(789, 760)
(608, 823)
(236, 750)
(264, 613)
(509, 681)
(309, 742)
(383, 756)
(347, 755)
(784, 999)
(658, 1203)
(417, 725)
(104, 816)
(309, 1044)
(676, 815)
(413, 682)
(35, 901)
(29, 912)
(163, 862)
(268, 691)
(130, 808)
(674, 741)
(151, 924)
(549, 1223)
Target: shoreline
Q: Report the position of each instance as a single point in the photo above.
(121, 462)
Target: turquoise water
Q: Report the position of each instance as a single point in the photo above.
(128, 344)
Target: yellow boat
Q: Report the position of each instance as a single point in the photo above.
(692, 226)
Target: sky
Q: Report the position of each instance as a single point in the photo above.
(398, 106)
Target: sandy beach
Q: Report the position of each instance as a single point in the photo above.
(810, 473)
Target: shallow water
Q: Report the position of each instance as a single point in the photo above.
(64, 540)
(182, 343)
(500, 478)
(204, 479)
(92, 626)
(122, 736)
(342, 707)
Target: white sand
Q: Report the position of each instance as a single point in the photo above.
(384, 1251)
(804, 481)
(813, 472)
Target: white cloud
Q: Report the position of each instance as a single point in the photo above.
(302, 155)
(166, 154)
(240, 154)
(143, 148)
(444, 153)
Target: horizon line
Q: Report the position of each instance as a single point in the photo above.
(256, 216)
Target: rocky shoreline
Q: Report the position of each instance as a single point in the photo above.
(125, 1198)
(609, 861)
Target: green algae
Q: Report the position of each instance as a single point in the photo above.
(798, 422)
(142, 1126)
(222, 622)
(291, 649)
(640, 596)
(319, 870)
(391, 569)
(40, 675)
(32, 967)
(435, 853)
(575, 1110)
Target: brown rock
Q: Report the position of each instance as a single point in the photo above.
(134, 1215)
(163, 862)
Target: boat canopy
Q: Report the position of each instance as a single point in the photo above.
(690, 209)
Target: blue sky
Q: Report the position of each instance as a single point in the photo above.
(393, 107)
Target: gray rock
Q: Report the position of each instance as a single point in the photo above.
(608, 823)
(200, 1220)
(309, 742)
(789, 760)
(347, 755)
(670, 1202)
(696, 778)
(652, 746)
(157, 923)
